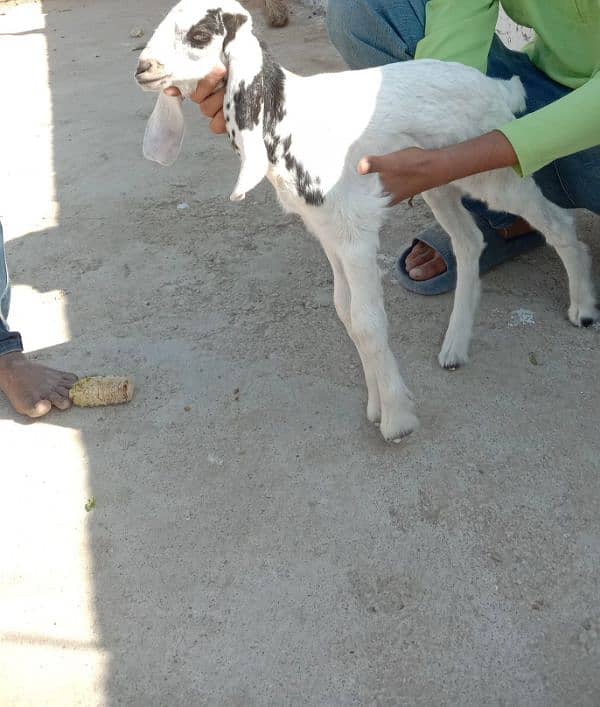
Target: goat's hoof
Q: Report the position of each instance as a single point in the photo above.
(399, 426)
(374, 413)
(450, 360)
(451, 366)
(583, 316)
(454, 353)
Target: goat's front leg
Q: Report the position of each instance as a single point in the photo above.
(368, 326)
(467, 244)
(341, 300)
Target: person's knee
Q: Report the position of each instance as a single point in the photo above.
(345, 21)
(339, 25)
(371, 33)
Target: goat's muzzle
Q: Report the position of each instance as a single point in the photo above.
(150, 71)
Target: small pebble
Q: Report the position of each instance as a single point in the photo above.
(521, 317)
(183, 205)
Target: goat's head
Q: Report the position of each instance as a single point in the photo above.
(190, 42)
(195, 37)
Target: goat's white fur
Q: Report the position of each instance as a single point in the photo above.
(334, 120)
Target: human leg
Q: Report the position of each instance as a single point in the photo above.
(30, 388)
(9, 340)
(375, 32)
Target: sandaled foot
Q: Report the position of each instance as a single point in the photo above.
(33, 389)
(428, 266)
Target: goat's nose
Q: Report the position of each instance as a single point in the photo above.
(146, 65)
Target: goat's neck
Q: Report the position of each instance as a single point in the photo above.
(253, 70)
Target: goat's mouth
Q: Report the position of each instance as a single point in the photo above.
(155, 82)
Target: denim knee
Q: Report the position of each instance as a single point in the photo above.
(341, 27)
(375, 32)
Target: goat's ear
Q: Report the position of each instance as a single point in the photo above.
(253, 154)
(164, 131)
(232, 23)
(244, 113)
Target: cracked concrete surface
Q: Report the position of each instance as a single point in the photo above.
(253, 541)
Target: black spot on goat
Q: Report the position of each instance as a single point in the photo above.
(202, 33)
(306, 186)
(232, 24)
(247, 103)
(214, 24)
(274, 90)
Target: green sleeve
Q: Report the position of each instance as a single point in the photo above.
(459, 30)
(561, 128)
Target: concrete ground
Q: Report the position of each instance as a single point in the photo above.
(253, 540)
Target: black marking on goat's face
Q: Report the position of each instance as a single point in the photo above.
(213, 24)
(202, 33)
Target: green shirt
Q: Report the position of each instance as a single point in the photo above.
(566, 47)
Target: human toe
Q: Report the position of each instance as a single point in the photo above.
(429, 269)
(39, 408)
(420, 253)
(59, 401)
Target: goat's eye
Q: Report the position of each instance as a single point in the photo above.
(200, 34)
(199, 38)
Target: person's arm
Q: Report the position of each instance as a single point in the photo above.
(566, 126)
(409, 172)
(459, 30)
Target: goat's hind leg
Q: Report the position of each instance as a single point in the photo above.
(467, 243)
(524, 197)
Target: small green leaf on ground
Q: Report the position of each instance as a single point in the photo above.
(533, 359)
(91, 503)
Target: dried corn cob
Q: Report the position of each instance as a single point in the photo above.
(95, 391)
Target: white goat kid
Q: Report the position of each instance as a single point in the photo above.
(307, 134)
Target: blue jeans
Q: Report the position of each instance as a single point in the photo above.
(9, 340)
(375, 32)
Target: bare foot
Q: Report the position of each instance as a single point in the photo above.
(424, 263)
(33, 389)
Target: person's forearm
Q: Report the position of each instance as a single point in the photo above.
(414, 170)
(481, 154)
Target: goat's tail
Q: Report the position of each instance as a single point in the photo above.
(514, 92)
